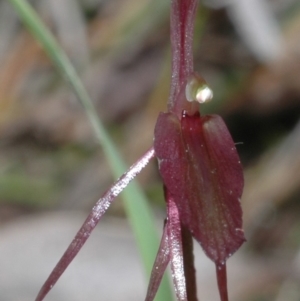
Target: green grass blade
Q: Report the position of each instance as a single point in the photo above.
(137, 208)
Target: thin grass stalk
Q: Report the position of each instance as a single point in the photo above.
(136, 205)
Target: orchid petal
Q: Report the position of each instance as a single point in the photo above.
(201, 169)
(161, 261)
(176, 251)
(90, 223)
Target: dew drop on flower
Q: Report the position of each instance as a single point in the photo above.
(197, 90)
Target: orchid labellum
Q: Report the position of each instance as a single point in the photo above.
(201, 173)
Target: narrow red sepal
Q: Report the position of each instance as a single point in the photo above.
(161, 261)
(92, 220)
(176, 248)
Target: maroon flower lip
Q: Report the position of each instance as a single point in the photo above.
(201, 170)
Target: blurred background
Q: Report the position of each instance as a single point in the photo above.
(52, 170)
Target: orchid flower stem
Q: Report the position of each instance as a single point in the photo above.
(136, 206)
(189, 267)
(222, 280)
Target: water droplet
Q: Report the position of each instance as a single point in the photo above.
(197, 90)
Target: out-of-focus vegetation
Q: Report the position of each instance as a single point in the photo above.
(50, 160)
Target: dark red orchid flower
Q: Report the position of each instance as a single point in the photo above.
(201, 172)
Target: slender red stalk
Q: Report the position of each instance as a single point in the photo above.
(188, 261)
(222, 280)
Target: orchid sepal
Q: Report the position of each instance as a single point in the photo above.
(92, 220)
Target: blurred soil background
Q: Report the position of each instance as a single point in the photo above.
(52, 170)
